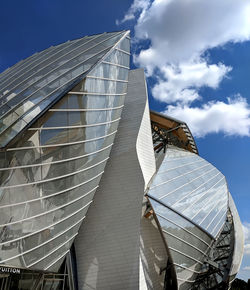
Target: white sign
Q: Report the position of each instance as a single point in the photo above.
(10, 270)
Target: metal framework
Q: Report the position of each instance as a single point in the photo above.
(167, 130)
(63, 280)
(216, 263)
(215, 270)
(163, 137)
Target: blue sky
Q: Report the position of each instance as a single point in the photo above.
(196, 56)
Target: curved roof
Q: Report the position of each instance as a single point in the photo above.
(192, 187)
(33, 85)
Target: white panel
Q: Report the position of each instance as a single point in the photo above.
(107, 247)
(239, 239)
(143, 283)
(144, 147)
(153, 253)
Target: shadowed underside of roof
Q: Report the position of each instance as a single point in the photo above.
(177, 128)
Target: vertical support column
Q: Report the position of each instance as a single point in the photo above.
(107, 247)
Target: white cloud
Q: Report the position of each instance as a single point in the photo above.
(138, 6)
(247, 268)
(247, 249)
(181, 83)
(180, 32)
(246, 229)
(231, 118)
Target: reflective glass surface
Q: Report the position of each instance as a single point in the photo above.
(107, 70)
(26, 96)
(50, 175)
(192, 186)
(124, 45)
(98, 86)
(33, 73)
(22, 66)
(119, 57)
(77, 118)
(94, 101)
(41, 237)
(187, 243)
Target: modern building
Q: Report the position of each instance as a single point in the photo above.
(97, 192)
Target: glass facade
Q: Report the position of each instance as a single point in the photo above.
(190, 185)
(194, 209)
(48, 77)
(49, 176)
(190, 199)
(60, 111)
(187, 243)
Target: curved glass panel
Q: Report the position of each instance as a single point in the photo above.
(28, 96)
(32, 256)
(50, 175)
(124, 45)
(92, 101)
(119, 57)
(27, 64)
(192, 186)
(31, 241)
(98, 86)
(51, 154)
(77, 118)
(107, 70)
(188, 244)
(34, 72)
(53, 170)
(22, 66)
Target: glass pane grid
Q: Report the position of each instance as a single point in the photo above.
(190, 186)
(69, 160)
(36, 99)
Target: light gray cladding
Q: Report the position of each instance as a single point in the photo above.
(144, 145)
(238, 240)
(107, 247)
(153, 253)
